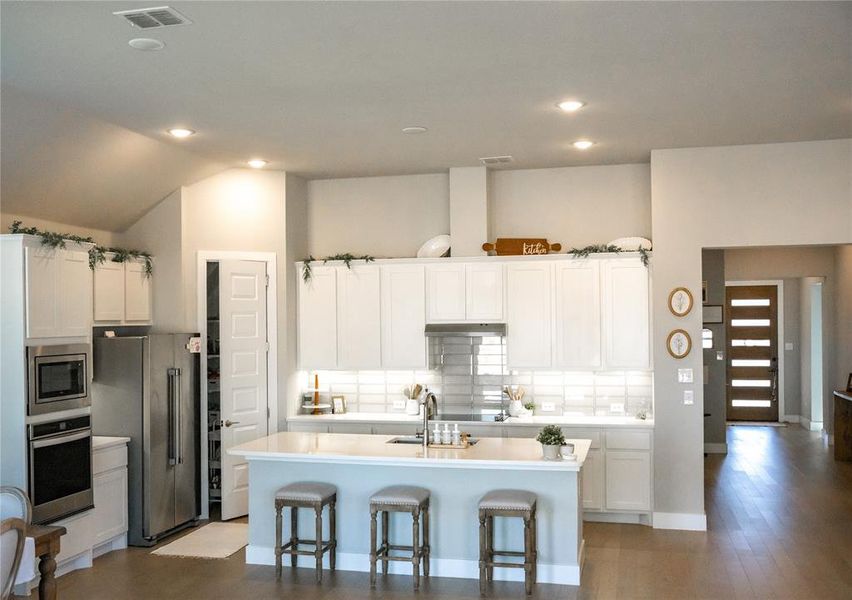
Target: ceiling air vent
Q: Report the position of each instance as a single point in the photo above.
(152, 18)
(496, 160)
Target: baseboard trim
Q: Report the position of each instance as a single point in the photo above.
(791, 418)
(714, 448)
(684, 521)
(806, 423)
(624, 518)
(439, 567)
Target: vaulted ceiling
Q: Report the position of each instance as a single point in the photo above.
(323, 89)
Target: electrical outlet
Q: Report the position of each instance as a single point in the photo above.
(617, 409)
(548, 406)
(684, 376)
(688, 397)
(399, 404)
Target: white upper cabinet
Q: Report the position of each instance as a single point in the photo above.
(359, 327)
(59, 293)
(460, 292)
(403, 317)
(318, 319)
(137, 292)
(484, 292)
(626, 321)
(122, 293)
(577, 331)
(528, 315)
(445, 285)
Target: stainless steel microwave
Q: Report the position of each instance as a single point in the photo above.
(58, 377)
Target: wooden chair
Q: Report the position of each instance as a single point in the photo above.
(13, 532)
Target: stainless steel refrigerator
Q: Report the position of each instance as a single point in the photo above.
(146, 388)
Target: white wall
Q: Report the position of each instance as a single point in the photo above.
(715, 391)
(386, 217)
(756, 195)
(814, 362)
(102, 237)
(296, 213)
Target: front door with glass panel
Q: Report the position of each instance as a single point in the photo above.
(752, 362)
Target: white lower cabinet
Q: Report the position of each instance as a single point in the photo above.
(593, 481)
(628, 481)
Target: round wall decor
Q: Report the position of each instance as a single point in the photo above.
(679, 343)
(680, 301)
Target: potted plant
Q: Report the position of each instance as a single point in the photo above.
(551, 440)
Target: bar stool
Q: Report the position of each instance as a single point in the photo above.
(507, 503)
(306, 495)
(400, 498)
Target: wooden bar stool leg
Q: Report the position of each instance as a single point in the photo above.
(385, 534)
(426, 549)
(534, 548)
(332, 528)
(294, 535)
(483, 553)
(415, 555)
(489, 547)
(372, 547)
(278, 538)
(318, 551)
(527, 556)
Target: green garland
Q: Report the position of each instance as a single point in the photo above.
(598, 248)
(346, 257)
(97, 254)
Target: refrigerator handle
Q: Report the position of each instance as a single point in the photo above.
(172, 373)
(179, 418)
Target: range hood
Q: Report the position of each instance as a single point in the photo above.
(465, 329)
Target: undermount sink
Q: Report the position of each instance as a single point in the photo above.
(416, 440)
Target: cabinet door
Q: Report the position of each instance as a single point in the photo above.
(626, 316)
(445, 285)
(109, 292)
(528, 319)
(74, 302)
(110, 513)
(359, 327)
(318, 319)
(137, 292)
(42, 313)
(403, 317)
(578, 315)
(484, 292)
(593, 481)
(628, 480)
(303, 427)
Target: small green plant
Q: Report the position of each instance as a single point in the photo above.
(530, 406)
(597, 248)
(551, 435)
(347, 258)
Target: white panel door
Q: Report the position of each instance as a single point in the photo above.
(578, 315)
(359, 326)
(318, 319)
(243, 351)
(109, 292)
(628, 480)
(626, 316)
(42, 313)
(74, 302)
(445, 287)
(137, 292)
(484, 292)
(528, 317)
(403, 317)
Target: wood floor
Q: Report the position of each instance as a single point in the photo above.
(779, 510)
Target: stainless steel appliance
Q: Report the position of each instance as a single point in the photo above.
(146, 388)
(58, 378)
(60, 461)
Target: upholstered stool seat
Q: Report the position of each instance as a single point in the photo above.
(400, 498)
(306, 494)
(507, 503)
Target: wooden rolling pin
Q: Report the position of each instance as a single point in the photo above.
(521, 246)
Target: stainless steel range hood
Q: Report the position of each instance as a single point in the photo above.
(465, 329)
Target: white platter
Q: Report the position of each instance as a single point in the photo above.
(437, 247)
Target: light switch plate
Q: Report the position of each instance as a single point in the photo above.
(617, 408)
(548, 407)
(720, 355)
(788, 345)
(400, 404)
(684, 376)
(688, 397)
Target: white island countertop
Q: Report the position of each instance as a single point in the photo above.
(487, 453)
(538, 420)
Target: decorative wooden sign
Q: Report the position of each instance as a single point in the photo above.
(521, 246)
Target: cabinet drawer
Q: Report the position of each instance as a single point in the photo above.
(79, 536)
(572, 433)
(109, 458)
(628, 440)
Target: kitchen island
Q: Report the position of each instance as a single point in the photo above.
(359, 465)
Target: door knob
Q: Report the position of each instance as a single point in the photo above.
(229, 422)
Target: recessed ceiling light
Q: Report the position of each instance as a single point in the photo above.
(257, 163)
(416, 129)
(181, 132)
(571, 105)
(146, 44)
(583, 144)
